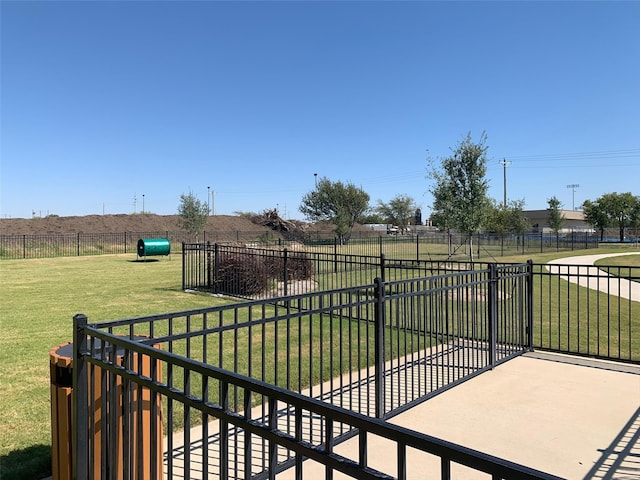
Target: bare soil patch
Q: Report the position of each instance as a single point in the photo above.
(143, 222)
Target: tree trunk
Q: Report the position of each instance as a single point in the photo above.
(471, 247)
(622, 233)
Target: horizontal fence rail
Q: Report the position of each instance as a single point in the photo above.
(281, 379)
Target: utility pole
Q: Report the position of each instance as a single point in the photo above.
(505, 164)
(573, 187)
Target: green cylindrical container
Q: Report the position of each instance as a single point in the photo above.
(148, 247)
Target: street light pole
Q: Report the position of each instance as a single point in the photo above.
(505, 164)
(208, 205)
(143, 203)
(573, 187)
(315, 177)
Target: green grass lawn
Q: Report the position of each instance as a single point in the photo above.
(622, 266)
(38, 299)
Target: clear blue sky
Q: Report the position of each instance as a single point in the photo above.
(104, 102)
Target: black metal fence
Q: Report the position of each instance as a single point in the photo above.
(226, 269)
(80, 244)
(433, 245)
(583, 310)
(251, 389)
(587, 310)
(418, 246)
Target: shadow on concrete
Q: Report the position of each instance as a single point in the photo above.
(621, 459)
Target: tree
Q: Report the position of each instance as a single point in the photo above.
(507, 219)
(399, 211)
(339, 203)
(622, 210)
(555, 216)
(596, 216)
(193, 214)
(460, 189)
(371, 217)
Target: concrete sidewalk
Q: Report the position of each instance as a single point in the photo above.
(580, 270)
(575, 418)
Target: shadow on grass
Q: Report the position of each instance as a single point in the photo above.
(31, 463)
(142, 260)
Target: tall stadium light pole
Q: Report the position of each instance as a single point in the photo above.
(573, 187)
(208, 197)
(315, 177)
(143, 203)
(505, 164)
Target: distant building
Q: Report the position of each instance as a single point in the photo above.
(574, 221)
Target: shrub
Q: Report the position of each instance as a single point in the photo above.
(241, 273)
(299, 266)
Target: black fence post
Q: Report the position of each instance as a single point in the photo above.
(284, 273)
(493, 313)
(78, 243)
(80, 401)
(383, 268)
(209, 266)
(573, 239)
(541, 241)
(335, 254)
(530, 304)
(216, 261)
(184, 267)
(379, 386)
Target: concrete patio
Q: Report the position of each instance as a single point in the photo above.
(572, 417)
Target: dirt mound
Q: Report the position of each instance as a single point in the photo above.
(143, 222)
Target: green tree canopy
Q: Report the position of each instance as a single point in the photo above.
(460, 190)
(339, 203)
(509, 219)
(371, 217)
(400, 210)
(622, 209)
(193, 213)
(556, 218)
(596, 216)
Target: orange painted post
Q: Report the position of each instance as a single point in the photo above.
(60, 363)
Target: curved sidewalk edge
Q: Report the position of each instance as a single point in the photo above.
(580, 270)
